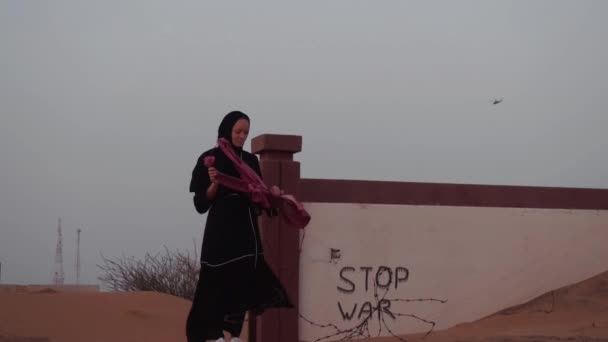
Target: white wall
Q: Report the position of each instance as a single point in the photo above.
(479, 259)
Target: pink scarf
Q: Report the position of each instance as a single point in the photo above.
(289, 208)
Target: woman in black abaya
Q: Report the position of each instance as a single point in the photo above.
(234, 276)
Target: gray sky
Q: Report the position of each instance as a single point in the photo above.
(105, 106)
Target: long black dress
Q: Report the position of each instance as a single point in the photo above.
(234, 276)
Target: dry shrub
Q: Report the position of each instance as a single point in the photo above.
(171, 272)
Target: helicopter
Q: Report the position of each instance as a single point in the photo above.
(495, 102)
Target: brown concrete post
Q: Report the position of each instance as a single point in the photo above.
(280, 241)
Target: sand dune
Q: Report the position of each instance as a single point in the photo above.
(577, 312)
(53, 316)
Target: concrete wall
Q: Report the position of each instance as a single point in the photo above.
(481, 248)
(479, 259)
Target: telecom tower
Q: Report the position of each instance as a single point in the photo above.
(78, 256)
(58, 278)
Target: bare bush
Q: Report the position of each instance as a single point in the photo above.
(172, 272)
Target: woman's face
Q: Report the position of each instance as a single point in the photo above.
(240, 130)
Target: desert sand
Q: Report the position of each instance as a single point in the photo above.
(91, 317)
(578, 312)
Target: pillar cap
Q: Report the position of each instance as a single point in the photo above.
(276, 143)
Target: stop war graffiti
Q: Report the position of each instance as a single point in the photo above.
(382, 277)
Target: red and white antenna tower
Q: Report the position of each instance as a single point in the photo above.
(78, 256)
(58, 278)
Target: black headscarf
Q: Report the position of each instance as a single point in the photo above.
(200, 179)
(225, 129)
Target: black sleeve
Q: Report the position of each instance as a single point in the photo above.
(198, 185)
(256, 167)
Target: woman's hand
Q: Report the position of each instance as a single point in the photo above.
(212, 174)
(276, 191)
(212, 189)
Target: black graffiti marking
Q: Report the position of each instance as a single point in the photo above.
(386, 306)
(335, 254)
(352, 289)
(346, 315)
(381, 269)
(367, 308)
(382, 306)
(367, 269)
(401, 275)
(398, 279)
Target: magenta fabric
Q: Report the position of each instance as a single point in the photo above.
(289, 208)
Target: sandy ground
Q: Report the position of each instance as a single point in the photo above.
(91, 317)
(574, 313)
(577, 312)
